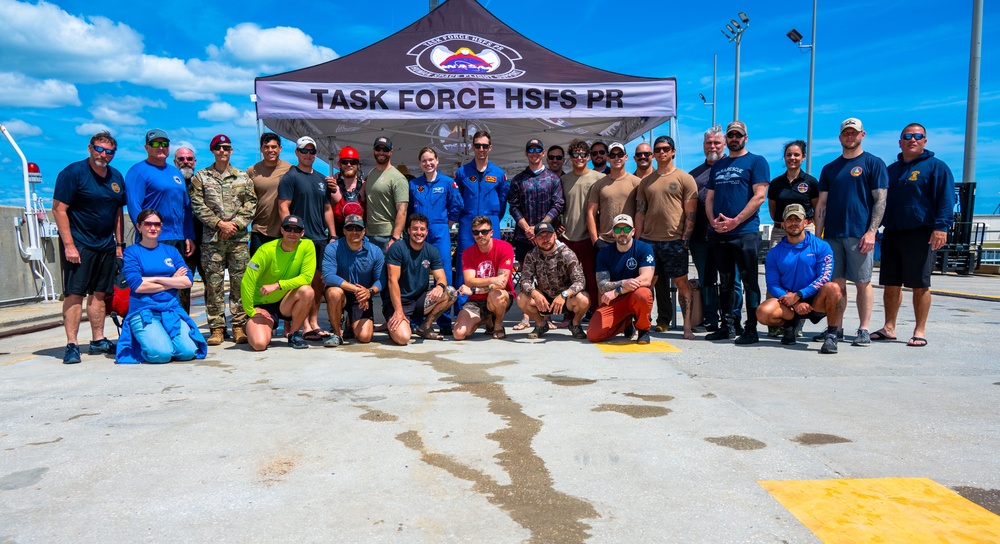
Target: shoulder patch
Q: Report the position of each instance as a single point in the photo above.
(253, 266)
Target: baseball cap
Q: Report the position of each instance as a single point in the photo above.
(292, 220)
(219, 139)
(738, 126)
(544, 226)
(616, 145)
(623, 218)
(302, 142)
(667, 140)
(156, 134)
(534, 142)
(794, 209)
(382, 140)
(852, 122)
(354, 220)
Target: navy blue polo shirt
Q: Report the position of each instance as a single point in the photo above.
(93, 201)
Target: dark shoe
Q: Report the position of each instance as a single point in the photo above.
(72, 355)
(738, 328)
(428, 334)
(332, 342)
(296, 341)
(643, 337)
(749, 336)
(577, 332)
(821, 337)
(101, 346)
(863, 339)
(539, 331)
(711, 328)
(829, 344)
(721, 333)
(629, 329)
(446, 330)
(774, 331)
(788, 335)
(662, 327)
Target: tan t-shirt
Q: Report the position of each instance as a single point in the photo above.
(265, 184)
(613, 196)
(665, 197)
(576, 192)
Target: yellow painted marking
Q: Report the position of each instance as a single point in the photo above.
(911, 510)
(15, 361)
(628, 346)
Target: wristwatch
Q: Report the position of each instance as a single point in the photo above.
(565, 293)
(443, 286)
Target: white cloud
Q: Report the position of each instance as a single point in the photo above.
(248, 119)
(270, 49)
(122, 110)
(18, 90)
(219, 111)
(89, 129)
(19, 128)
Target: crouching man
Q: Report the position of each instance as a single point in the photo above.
(624, 274)
(552, 282)
(798, 273)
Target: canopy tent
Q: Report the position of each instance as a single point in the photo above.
(457, 70)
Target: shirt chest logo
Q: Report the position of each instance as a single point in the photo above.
(913, 175)
(490, 179)
(856, 171)
(425, 263)
(115, 187)
(802, 188)
(169, 262)
(178, 180)
(321, 186)
(631, 263)
(437, 191)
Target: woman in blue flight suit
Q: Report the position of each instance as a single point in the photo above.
(436, 196)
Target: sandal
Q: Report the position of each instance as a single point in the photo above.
(499, 334)
(880, 335)
(917, 342)
(429, 334)
(313, 335)
(520, 326)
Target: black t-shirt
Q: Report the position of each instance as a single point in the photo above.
(801, 191)
(93, 202)
(415, 267)
(309, 195)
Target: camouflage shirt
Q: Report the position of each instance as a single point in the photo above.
(228, 196)
(553, 273)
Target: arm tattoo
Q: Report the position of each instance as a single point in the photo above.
(688, 225)
(878, 210)
(641, 206)
(604, 283)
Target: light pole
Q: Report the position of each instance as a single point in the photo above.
(797, 38)
(735, 34)
(715, 63)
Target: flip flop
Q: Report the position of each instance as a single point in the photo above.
(520, 326)
(880, 335)
(313, 336)
(917, 342)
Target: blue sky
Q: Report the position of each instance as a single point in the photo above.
(72, 68)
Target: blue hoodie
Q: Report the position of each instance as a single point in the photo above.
(921, 194)
(802, 267)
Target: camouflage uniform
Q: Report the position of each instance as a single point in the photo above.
(216, 197)
(551, 274)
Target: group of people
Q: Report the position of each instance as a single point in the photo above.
(593, 242)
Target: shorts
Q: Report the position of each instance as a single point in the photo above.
(416, 309)
(671, 258)
(907, 258)
(479, 310)
(95, 273)
(320, 246)
(849, 262)
(354, 311)
(274, 308)
(813, 316)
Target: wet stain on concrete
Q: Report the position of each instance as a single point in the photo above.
(22, 479)
(79, 416)
(708, 396)
(307, 395)
(819, 439)
(376, 415)
(203, 362)
(568, 381)
(987, 498)
(637, 411)
(650, 398)
(530, 499)
(274, 471)
(968, 311)
(43, 443)
(171, 388)
(260, 382)
(996, 383)
(737, 442)
(177, 400)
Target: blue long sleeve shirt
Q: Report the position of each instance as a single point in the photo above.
(162, 188)
(921, 194)
(802, 267)
(362, 267)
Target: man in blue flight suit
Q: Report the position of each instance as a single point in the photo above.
(436, 196)
(484, 188)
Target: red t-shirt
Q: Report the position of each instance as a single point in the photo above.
(489, 264)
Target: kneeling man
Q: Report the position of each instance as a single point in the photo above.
(798, 272)
(408, 266)
(276, 285)
(552, 282)
(352, 271)
(488, 271)
(624, 274)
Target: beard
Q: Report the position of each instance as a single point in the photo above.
(712, 156)
(188, 172)
(737, 146)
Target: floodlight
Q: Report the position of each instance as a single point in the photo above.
(794, 35)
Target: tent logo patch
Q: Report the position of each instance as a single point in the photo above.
(463, 56)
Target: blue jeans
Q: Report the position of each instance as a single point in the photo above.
(157, 346)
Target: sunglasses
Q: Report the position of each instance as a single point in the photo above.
(223, 148)
(353, 228)
(481, 146)
(184, 159)
(663, 149)
(622, 230)
(111, 152)
(350, 162)
(534, 150)
(598, 152)
(152, 224)
(382, 149)
(732, 135)
(481, 232)
(290, 228)
(580, 155)
(617, 155)
(917, 136)
(555, 157)
(643, 154)
(306, 151)
(154, 145)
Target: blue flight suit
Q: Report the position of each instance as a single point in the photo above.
(482, 194)
(441, 202)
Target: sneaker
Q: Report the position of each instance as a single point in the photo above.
(721, 333)
(629, 329)
(749, 336)
(711, 327)
(331, 342)
(821, 337)
(643, 337)
(774, 331)
(829, 344)
(863, 339)
(738, 327)
(539, 331)
(788, 335)
(101, 346)
(577, 332)
(72, 355)
(662, 327)
(447, 330)
(296, 341)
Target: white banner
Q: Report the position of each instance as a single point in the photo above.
(459, 100)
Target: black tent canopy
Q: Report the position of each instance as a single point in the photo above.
(457, 70)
